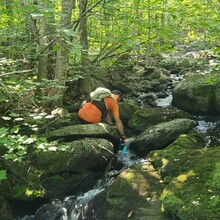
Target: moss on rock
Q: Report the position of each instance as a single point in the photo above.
(193, 178)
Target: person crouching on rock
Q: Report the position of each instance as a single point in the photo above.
(101, 111)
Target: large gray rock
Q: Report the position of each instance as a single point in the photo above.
(161, 135)
(76, 156)
(75, 132)
(198, 94)
(149, 116)
(127, 109)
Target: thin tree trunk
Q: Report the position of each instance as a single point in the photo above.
(149, 32)
(137, 29)
(43, 42)
(83, 32)
(62, 56)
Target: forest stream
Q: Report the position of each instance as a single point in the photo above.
(71, 207)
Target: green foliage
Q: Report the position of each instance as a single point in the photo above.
(2, 175)
(153, 26)
(16, 145)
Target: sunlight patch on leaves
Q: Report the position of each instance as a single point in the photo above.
(6, 118)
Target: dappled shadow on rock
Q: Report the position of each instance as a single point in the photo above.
(133, 195)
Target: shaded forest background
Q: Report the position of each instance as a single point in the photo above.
(46, 44)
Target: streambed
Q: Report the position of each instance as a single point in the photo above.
(71, 207)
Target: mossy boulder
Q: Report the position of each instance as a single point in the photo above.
(160, 135)
(56, 172)
(127, 109)
(192, 175)
(145, 118)
(182, 147)
(78, 156)
(198, 94)
(133, 195)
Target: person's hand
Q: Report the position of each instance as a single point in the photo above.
(125, 142)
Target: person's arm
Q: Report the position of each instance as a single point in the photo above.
(109, 119)
(120, 128)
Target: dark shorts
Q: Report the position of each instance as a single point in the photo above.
(83, 121)
(86, 122)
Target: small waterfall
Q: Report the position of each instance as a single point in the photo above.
(127, 159)
(209, 126)
(164, 102)
(71, 207)
(206, 124)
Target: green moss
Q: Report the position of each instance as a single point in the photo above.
(115, 197)
(170, 202)
(191, 140)
(25, 192)
(193, 192)
(114, 214)
(214, 181)
(210, 79)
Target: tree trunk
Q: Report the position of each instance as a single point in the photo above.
(43, 43)
(62, 57)
(149, 32)
(83, 32)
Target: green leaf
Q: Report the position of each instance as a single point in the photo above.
(15, 129)
(6, 118)
(29, 140)
(3, 132)
(70, 32)
(3, 175)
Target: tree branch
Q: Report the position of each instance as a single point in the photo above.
(15, 72)
(75, 22)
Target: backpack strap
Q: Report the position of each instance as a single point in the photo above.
(100, 105)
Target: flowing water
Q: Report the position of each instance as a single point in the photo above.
(209, 127)
(71, 207)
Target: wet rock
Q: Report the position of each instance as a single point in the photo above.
(160, 135)
(51, 212)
